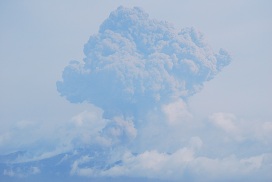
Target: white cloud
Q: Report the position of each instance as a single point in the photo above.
(174, 166)
(225, 121)
(176, 112)
(81, 171)
(243, 130)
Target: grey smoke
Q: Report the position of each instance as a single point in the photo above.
(135, 63)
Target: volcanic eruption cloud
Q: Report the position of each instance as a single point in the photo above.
(140, 72)
(136, 63)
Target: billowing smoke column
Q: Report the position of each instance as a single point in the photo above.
(135, 63)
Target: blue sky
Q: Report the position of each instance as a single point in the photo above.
(39, 39)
